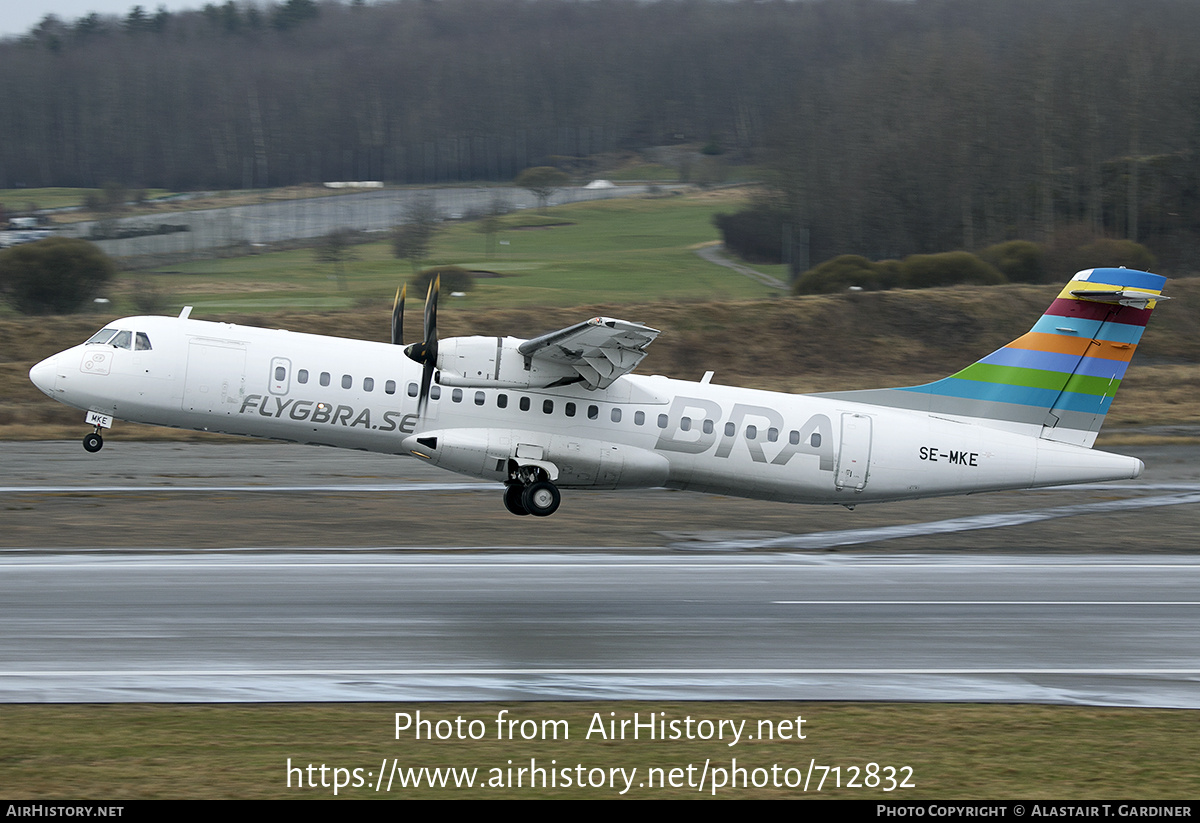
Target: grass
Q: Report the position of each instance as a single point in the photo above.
(55, 198)
(962, 752)
(612, 251)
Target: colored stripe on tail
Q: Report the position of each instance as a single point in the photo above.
(1061, 376)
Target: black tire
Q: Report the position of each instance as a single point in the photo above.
(541, 499)
(93, 442)
(512, 499)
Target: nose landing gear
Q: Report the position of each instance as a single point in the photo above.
(93, 442)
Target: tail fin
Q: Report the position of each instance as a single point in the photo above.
(1057, 380)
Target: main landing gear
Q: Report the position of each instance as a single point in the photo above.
(529, 492)
(540, 499)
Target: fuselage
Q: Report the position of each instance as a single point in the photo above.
(639, 432)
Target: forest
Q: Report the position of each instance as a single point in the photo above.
(882, 128)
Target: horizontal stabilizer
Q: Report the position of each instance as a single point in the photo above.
(1120, 297)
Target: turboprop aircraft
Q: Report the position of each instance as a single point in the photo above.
(564, 411)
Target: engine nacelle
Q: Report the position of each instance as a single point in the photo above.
(495, 363)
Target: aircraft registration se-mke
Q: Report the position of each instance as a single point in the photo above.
(564, 411)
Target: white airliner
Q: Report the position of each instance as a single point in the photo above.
(563, 410)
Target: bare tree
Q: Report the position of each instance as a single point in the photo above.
(489, 224)
(337, 248)
(411, 238)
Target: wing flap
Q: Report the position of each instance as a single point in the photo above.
(600, 350)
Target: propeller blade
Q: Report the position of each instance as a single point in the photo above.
(426, 384)
(426, 351)
(398, 316)
(431, 301)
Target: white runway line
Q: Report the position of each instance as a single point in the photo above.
(621, 672)
(850, 537)
(325, 488)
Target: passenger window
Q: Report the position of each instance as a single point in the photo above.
(639, 418)
(548, 406)
(616, 415)
(502, 401)
(730, 429)
(302, 376)
(708, 427)
(412, 389)
(569, 410)
(123, 340)
(456, 395)
(751, 432)
(524, 404)
(435, 392)
(480, 398)
(347, 381)
(815, 440)
(368, 384)
(685, 424)
(593, 412)
(324, 378)
(389, 387)
(143, 342)
(662, 421)
(794, 437)
(772, 434)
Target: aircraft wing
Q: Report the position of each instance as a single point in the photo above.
(600, 350)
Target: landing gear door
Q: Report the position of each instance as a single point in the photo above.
(854, 456)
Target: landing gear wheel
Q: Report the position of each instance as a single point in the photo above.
(512, 499)
(541, 499)
(93, 442)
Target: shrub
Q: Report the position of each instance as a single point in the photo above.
(453, 279)
(754, 234)
(149, 298)
(951, 268)
(1115, 253)
(1076, 247)
(1021, 261)
(58, 275)
(843, 272)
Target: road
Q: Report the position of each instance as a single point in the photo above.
(285, 220)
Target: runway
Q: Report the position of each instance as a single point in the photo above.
(658, 596)
(343, 627)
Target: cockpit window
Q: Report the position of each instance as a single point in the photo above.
(102, 336)
(123, 340)
(143, 342)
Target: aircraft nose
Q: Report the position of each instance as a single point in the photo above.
(43, 375)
